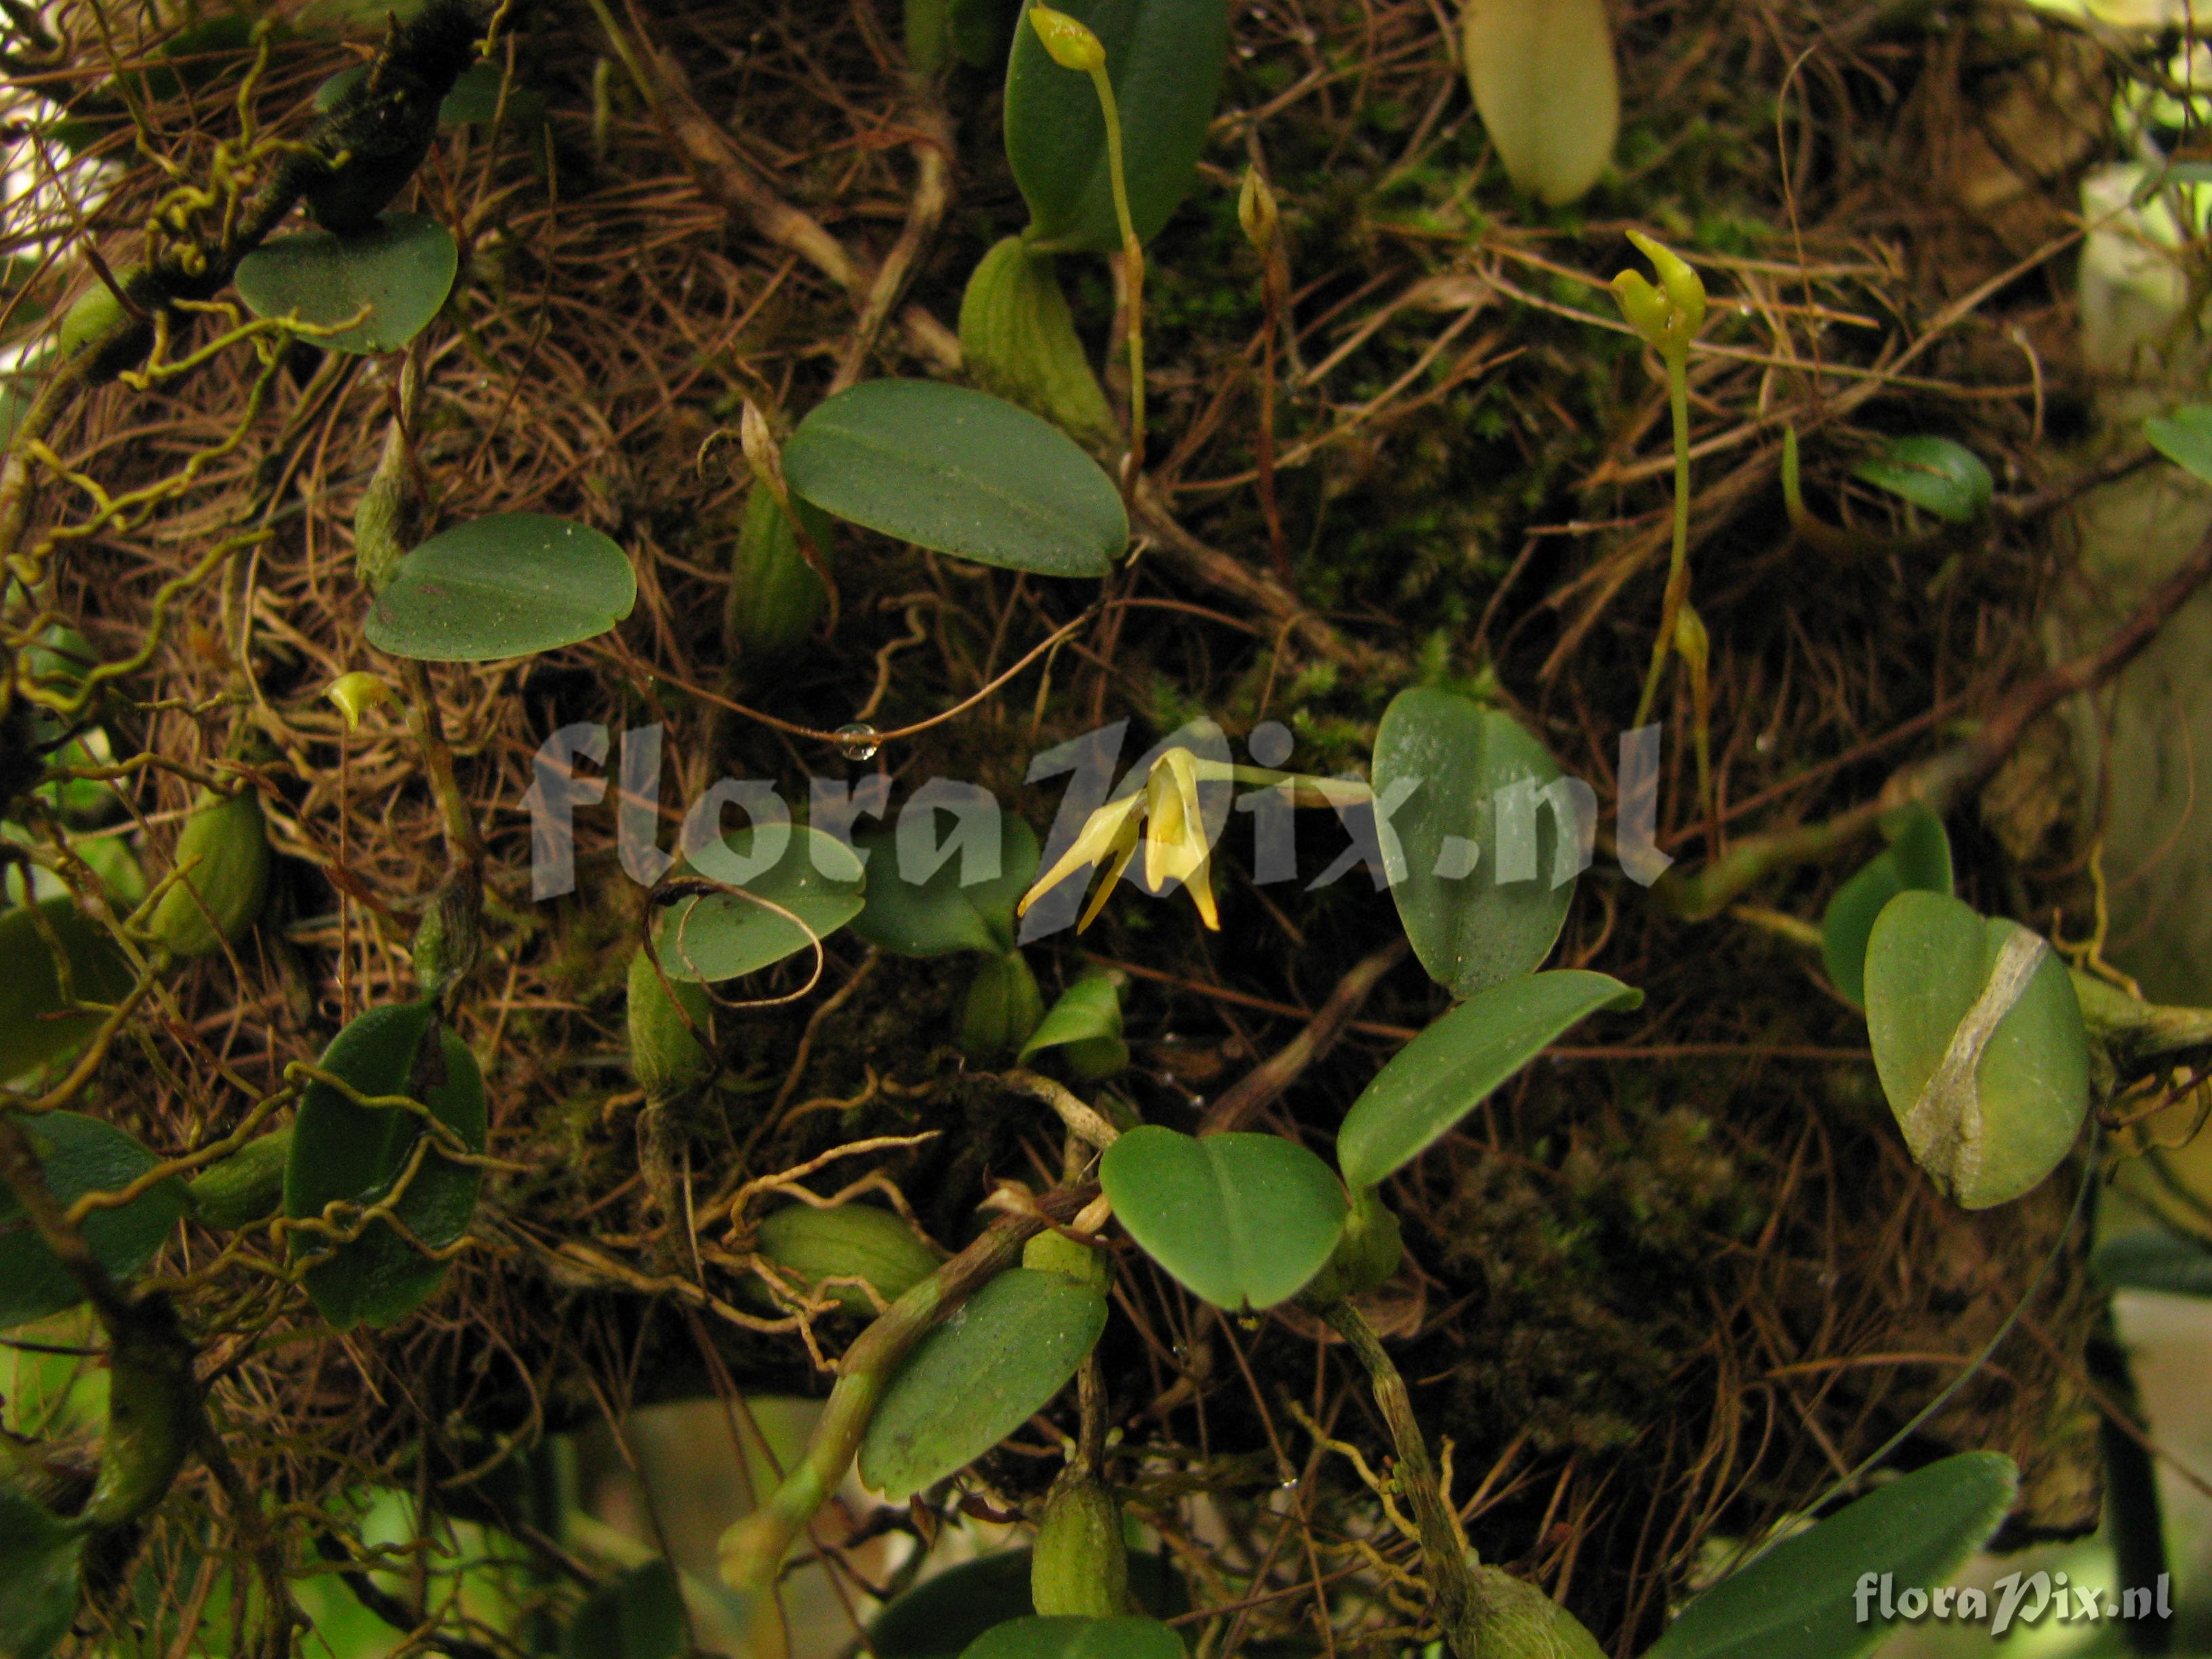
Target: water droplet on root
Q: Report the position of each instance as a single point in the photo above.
(858, 741)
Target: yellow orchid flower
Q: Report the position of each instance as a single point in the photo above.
(1167, 817)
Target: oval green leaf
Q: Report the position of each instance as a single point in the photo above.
(1445, 1073)
(1918, 860)
(1084, 1027)
(2184, 438)
(400, 272)
(1470, 929)
(39, 1575)
(1934, 475)
(815, 887)
(1799, 1600)
(960, 472)
(343, 1153)
(937, 915)
(37, 1024)
(1979, 1041)
(79, 1155)
(1165, 59)
(1241, 1220)
(507, 586)
(1127, 1637)
(1000, 1357)
(639, 1616)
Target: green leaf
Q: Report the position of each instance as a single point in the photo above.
(639, 1616)
(1934, 475)
(1085, 1026)
(1241, 1220)
(2184, 438)
(941, 1615)
(1978, 1040)
(1469, 930)
(508, 586)
(1919, 859)
(1445, 1073)
(937, 915)
(79, 1155)
(344, 1152)
(34, 1027)
(1127, 1638)
(1001, 1357)
(473, 100)
(960, 472)
(815, 885)
(2154, 1259)
(402, 271)
(39, 1575)
(1164, 58)
(1799, 1601)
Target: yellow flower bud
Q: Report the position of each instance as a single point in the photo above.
(1068, 39)
(1684, 288)
(1643, 305)
(1256, 211)
(356, 693)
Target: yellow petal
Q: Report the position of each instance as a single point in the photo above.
(1125, 849)
(1097, 839)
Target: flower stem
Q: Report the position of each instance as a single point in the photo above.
(1678, 566)
(1133, 266)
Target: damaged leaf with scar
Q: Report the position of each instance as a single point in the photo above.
(1979, 1041)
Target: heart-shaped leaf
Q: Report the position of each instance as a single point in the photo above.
(1934, 475)
(1125, 1638)
(639, 1616)
(1978, 1040)
(508, 586)
(961, 472)
(1803, 1598)
(2154, 1259)
(1462, 764)
(39, 1575)
(400, 272)
(1445, 1073)
(1918, 860)
(936, 915)
(1084, 1028)
(998, 1358)
(33, 1025)
(2184, 438)
(354, 1155)
(79, 1155)
(1164, 58)
(813, 889)
(1241, 1220)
